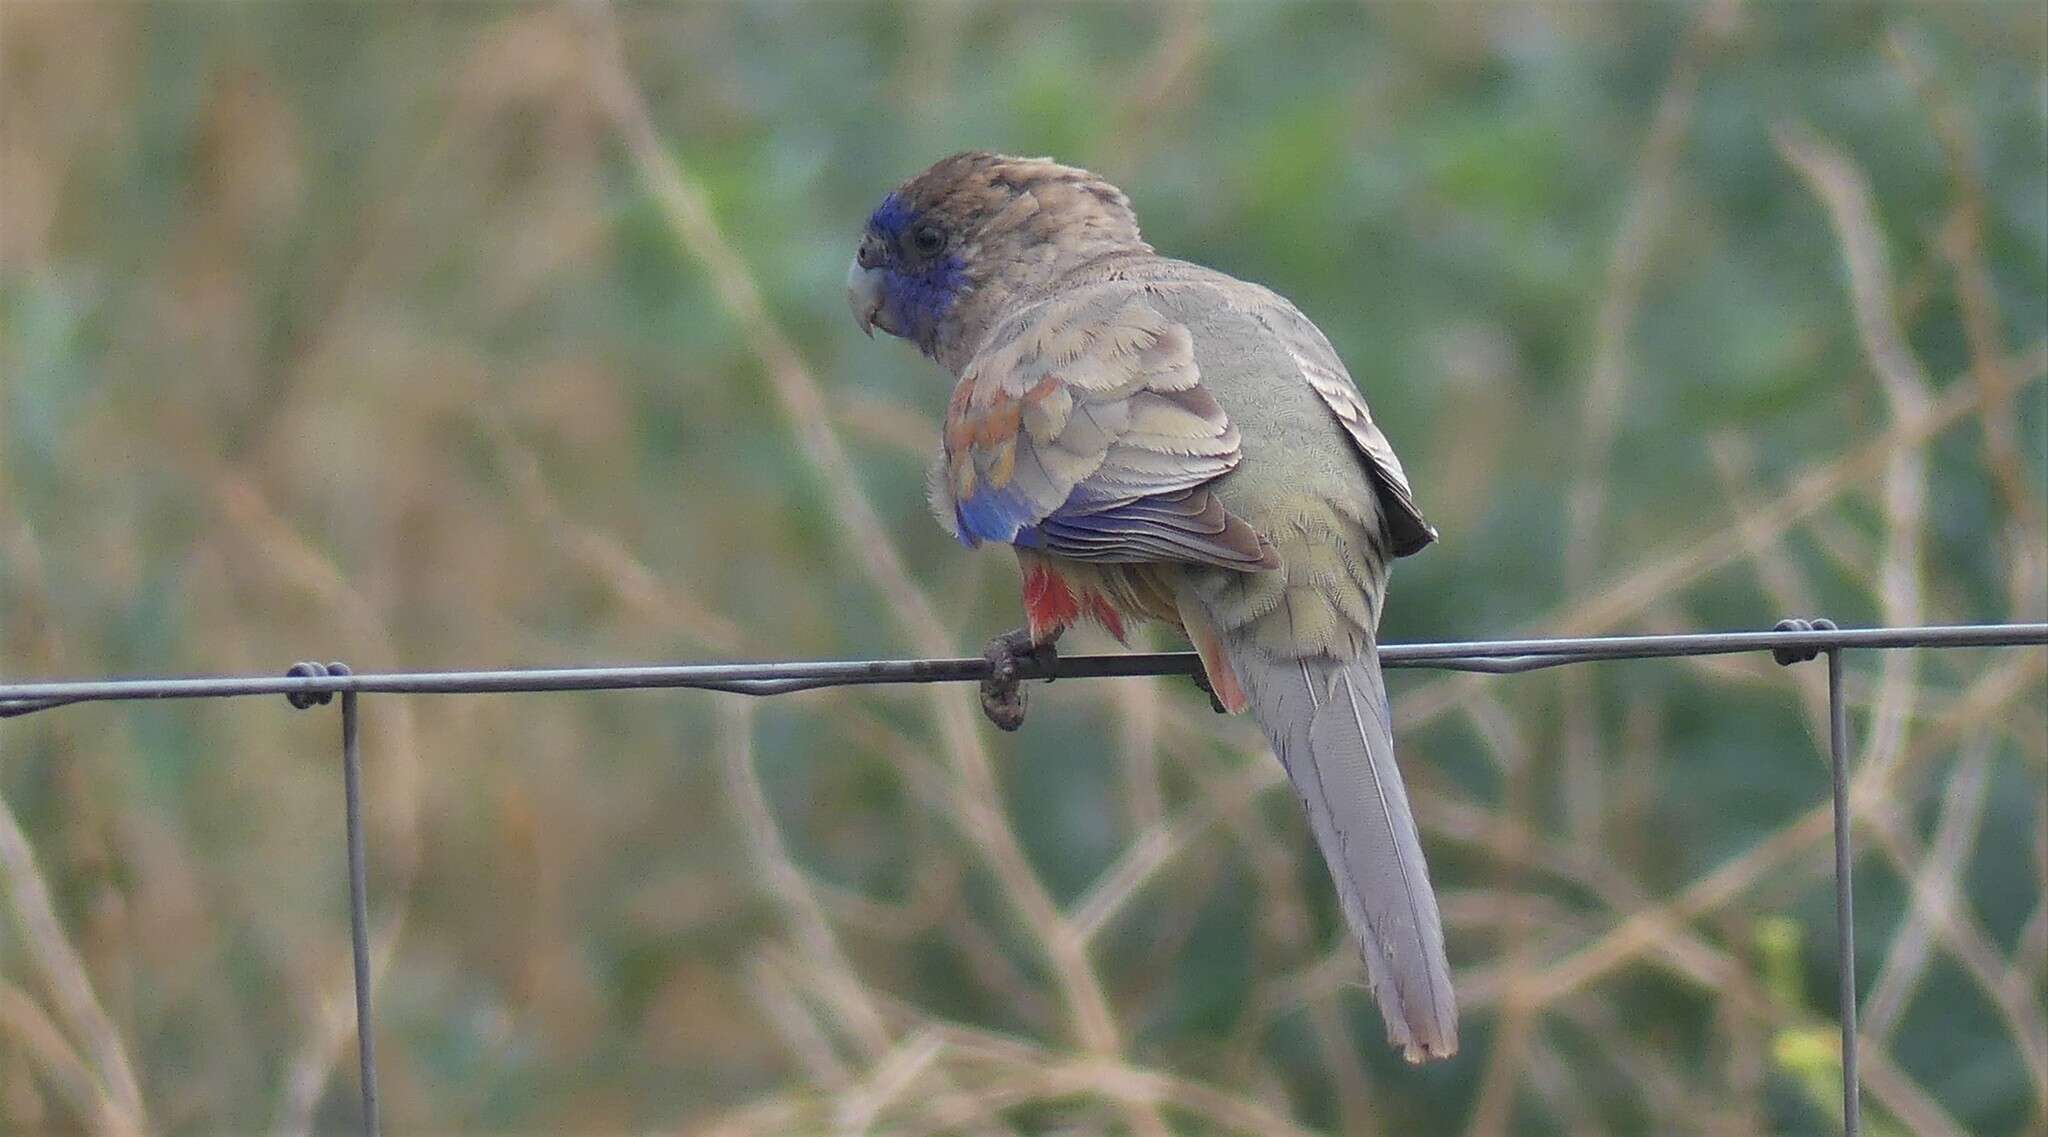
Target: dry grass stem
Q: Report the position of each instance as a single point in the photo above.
(481, 353)
(63, 975)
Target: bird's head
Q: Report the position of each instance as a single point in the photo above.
(947, 251)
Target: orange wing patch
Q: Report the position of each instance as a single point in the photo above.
(981, 436)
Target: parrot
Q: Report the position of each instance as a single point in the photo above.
(1161, 441)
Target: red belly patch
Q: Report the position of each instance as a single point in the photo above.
(1050, 603)
(1103, 614)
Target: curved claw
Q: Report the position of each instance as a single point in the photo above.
(1201, 680)
(1002, 694)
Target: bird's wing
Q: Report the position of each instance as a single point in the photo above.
(1409, 530)
(1082, 429)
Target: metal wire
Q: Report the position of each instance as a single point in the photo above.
(358, 902)
(313, 684)
(1496, 656)
(1845, 903)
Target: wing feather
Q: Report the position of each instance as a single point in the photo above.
(1409, 530)
(1082, 429)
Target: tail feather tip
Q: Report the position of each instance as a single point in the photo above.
(1417, 1053)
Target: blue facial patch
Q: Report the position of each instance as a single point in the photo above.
(891, 217)
(914, 299)
(918, 301)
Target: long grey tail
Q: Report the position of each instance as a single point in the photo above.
(1327, 720)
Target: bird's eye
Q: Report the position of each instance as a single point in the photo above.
(927, 240)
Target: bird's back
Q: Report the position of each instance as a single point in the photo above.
(1301, 639)
(1301, 482)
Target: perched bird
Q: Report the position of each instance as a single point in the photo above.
(1161, 441)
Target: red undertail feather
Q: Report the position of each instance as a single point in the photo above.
(1048, 603)
(1052, 603)
(1216, 665)
(1105, 614)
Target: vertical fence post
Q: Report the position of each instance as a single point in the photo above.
(358, 872)
(1845, 905)
(358, 905)
(1788, 654)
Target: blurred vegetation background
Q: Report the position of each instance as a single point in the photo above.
(492, 334)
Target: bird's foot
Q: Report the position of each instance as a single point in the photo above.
(1201, 679)
(1002, 693)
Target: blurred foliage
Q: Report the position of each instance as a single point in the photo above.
(354, 331)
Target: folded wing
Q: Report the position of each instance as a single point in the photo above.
(1083, 430)
(1317, 360)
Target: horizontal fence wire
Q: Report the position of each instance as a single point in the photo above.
(312, 684)
(1492, 656)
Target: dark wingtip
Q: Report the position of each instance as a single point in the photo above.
(1411, 537)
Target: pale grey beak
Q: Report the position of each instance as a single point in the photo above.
(864, 294)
